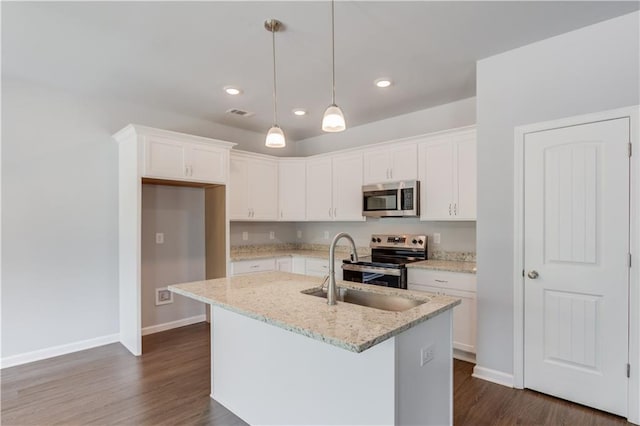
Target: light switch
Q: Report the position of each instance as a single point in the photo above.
(326, 235)
(159, 238)
(245, 236)
(272, 235)
(436, 238)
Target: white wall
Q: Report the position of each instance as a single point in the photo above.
(442, 117)
(60, 211)
(178, 213)
(591, 69)
(258, 233)
(454, 236)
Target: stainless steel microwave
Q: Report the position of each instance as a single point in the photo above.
(393, 199)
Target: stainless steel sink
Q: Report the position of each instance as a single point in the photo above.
(371, 300)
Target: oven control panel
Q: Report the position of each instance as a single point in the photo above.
(398, 241)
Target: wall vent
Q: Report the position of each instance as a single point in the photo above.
(239, 112)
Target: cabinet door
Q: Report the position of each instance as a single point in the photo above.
(347, 187)
(164, 158)
(376, 166)
(404, 162)
(239, 189)
(464, 315)
(292, 183)
(317, 267)
(464, 320)
(284, 264)
(465, 199)
(436, 180)
(319, 202)
(206, 164)
(263, 189)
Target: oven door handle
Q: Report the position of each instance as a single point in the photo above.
(372, 269)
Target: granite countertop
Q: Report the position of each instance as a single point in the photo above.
(276, 298)
(320, 254)
(445, 265)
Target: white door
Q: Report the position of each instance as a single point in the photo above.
(436, 180)
(404, 162)
(347, 187)
(263, 189)
(319, 202)
(577, 243)
(239, 189)
(466, 178)
(292, 183)
(164, 158)
(376, 166)
(207, 164)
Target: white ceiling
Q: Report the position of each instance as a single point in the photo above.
(178, 55)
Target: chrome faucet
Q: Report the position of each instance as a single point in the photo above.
(332, 290)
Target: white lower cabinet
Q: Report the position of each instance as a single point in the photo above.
(284, 264)
(458, 285)
(311, 266)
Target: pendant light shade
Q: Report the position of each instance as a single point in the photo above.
(275, 135)
(333, 119)
(275, 138)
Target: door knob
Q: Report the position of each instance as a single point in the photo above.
(533, 274)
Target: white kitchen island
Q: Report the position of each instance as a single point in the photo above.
(279, 356)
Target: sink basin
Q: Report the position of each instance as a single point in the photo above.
(370, 300)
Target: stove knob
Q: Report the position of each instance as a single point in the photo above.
(420, 242)
(414, 241)
(378, 240)
(373, 240)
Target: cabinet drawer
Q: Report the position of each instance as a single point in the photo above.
(251, 266)
(444, 279)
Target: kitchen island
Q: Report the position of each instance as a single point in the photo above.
(280, 356)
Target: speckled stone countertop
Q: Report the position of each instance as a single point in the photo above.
(276, 298)
(445, 265)
(320, 254)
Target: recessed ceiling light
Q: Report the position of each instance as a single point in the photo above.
(232, 90)
(383, 82)
(300, 112)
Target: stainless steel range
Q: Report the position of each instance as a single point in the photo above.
(386, 265)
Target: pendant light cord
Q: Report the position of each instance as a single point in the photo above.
(333, 55)
(275, 99)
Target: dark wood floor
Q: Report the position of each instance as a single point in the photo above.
(169, 385)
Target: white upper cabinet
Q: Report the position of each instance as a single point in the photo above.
(253, 188)
(390, 164)
(334, 188)
(168, 158)
(447, 173)
(347, 187)
(292, 189)
(319, 189)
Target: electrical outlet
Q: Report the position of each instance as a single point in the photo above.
(299, 233)
(326, 235)
(245, 236)
(272, 235)
(436, 238)
(426, 355)
(159, 238)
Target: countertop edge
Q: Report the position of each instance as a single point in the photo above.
(316, 336)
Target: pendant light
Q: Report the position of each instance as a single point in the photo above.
(275, 135)
(333, 119)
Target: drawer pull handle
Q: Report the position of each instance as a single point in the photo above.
(441, 281)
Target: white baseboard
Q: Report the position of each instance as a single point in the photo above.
(173, 324)
(493, 376)
(464, 356)
(24, 358)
